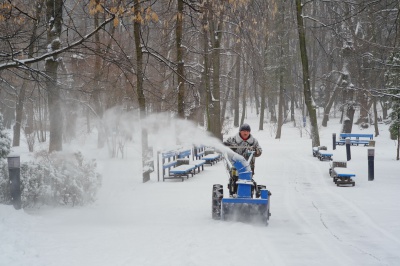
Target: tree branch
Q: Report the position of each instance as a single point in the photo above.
(18, 63)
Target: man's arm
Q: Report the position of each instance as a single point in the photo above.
(257, 149)
(230, 143)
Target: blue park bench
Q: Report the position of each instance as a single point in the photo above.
(198, 152)
(184, 158)
(178, 164)
(355, 139)
(211, 157)
(341, 174)
(321, 153)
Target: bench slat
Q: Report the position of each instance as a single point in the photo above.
(356, 135)
(169, 164)
(182, 169)
(212, 156)
(343, 172)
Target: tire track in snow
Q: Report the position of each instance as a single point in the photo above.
(300, 209)
(341, 210)
(293, 216)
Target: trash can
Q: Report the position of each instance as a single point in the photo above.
(15, 181)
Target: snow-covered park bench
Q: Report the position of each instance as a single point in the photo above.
(211, 157)
(198, 152)
(177, 164)
(355, 139)
(321, 153)
(171, 169)
(184, 159)
(341, 174)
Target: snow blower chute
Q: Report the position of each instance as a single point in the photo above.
(240, 205)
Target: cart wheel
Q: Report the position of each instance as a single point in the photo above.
(217, 195)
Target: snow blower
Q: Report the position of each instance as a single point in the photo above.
(240, 205)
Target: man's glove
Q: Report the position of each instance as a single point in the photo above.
(258, 153)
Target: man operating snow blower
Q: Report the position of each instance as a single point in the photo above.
(241, 205)
(245, 144)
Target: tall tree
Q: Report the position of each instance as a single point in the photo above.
(54, 9)
(21, 97)
(216, 24)
(97, 88)
(179, 59)
(139, 85)
(237, 86)
(306, 77)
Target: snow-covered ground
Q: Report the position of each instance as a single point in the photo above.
(313, 221)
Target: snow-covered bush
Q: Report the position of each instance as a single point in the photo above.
(56, 179)
(5, 141)
(5, 193)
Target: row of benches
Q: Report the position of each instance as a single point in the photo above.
(354, 139)
(184, 162)
(338, 170)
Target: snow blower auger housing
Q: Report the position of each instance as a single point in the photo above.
(240, 205)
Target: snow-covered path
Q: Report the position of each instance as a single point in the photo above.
(313, 222)
(321, 220)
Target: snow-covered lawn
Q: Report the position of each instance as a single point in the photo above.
(313, 221)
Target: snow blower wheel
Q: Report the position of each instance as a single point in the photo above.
(217, 195)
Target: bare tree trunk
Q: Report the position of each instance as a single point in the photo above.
(292, 107)
(225, 101)
(216, 24)
(375, 118)
(271, 108)
(206, 72)
(262, 105)
(140, 89)
(54, 21)
(244, 97)
(385, 107)
(306, 77)
(281, 100)
(256, 98)
(332, 99)
(263, 72)
(179, 59)
(237, 91)
(21, 97)
(18, 115)
(98, 106)
(280, 107)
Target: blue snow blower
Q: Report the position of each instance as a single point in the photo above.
(240, 205)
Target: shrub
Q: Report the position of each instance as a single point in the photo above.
(5, 141)
(5, 196)
(54, 179)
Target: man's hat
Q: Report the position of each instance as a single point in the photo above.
(244, 127)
